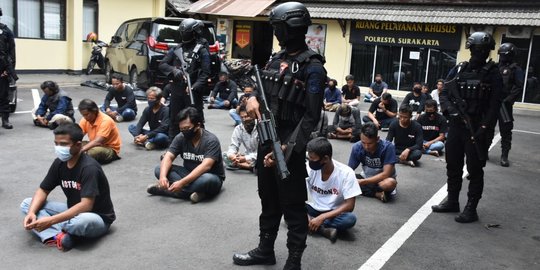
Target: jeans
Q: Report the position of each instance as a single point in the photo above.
(436, 146)
(128, 114)
(208, 183)
(235, 116)
(84, 224)
(383, 122)
(219, 103)
(342, 222)
(161, 140)
(414, 155)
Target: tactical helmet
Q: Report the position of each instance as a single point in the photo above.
(294, 14)
(507, 49)
(188, 27)
(480, 39)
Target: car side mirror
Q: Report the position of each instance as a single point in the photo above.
(116, 39)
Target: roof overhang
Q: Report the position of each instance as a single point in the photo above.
(241, 8)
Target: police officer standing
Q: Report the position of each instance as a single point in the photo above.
(513, 77)
(471, 98)
(294, 81)
(195, 56)
(7, 69)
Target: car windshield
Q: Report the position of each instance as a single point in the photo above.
(168, 33)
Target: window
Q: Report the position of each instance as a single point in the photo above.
(42, 19)
(90, 17)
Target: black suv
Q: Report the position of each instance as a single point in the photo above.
(139, 45)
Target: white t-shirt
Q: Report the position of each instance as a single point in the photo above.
(330, 194)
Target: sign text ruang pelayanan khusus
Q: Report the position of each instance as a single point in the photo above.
(443, 36)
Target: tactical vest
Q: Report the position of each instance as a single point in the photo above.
(285, 86)
(507, 74)
(474, 87)
(52, 103)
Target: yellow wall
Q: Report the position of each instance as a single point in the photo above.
(73, 54)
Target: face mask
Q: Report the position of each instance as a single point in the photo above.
(315, 165)
(430, 114)
(151, 103)
(378, 81)
(62, 152)
(417, 90)
(189, 134)
(249, 125)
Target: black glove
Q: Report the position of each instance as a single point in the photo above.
(197, 87)
(178, 74)
(479, 135)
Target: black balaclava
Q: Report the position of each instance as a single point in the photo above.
(292, 39)
(479, 56)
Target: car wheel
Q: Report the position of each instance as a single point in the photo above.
(108, 72)
(133, 77)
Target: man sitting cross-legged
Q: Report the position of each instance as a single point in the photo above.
(378, 159)
(202, 174)
(243, 134)
(333, 189)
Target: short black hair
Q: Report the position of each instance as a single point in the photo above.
(88, 105)
(193, 114)
(52, 86)
(386, 96)
(430, 103)
(333, 80)
(73, 130)
(349, 77)
(117, 77)
(370, 130)
(378, 75)
(405, 109)
(320, 146)
(440, 80)
(425, 85)
(242, 108)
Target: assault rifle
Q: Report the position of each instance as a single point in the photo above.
(266, 128)
(180, 54)
(460, 105)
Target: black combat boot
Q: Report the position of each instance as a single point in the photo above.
(449, 205)
(504, 158)
(5, 121)
(295, 259)
(469, 212)
(263, 254)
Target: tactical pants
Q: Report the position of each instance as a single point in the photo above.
(177, 102)
(506, 128)
(283, 198)
(4, 92)
(459, 146)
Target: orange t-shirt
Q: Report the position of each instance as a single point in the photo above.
(105, 127)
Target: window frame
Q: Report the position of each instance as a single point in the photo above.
(63, 21)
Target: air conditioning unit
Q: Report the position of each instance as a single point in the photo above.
(482, 28)
(518, 32)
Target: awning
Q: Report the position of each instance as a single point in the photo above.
(242, 8)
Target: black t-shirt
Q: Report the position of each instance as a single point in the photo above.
(125, 98)
(410, 137)
(158, 122)
(379, 114)
(432, 128)
(416, 102)
(353, 93)
(85, 180)
(208, 147)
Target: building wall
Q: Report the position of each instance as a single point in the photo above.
(73, 53)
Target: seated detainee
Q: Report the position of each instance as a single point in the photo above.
(224, 95)
(434, 128)
(234, 113)
(243, 134)
(376, 89)
(416, 100)
(346, 124)
(350, 93)
(55, 107)
(126, 110)
(157, 117)
(88, 212)
(333, 189)
(382, 111)
(407, 137)
(332, 96)
(104, 138)
(378, 159)
(202, 174)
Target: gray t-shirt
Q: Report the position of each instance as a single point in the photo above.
(209, 147)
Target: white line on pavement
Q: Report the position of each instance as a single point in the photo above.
(75, 108)
(387, 250)
(36, 97)
(526, 131)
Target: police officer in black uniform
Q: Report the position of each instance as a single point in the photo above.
(294, 81)
(513, 77)
(194, 50)
(471, 99)
(7, 67)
